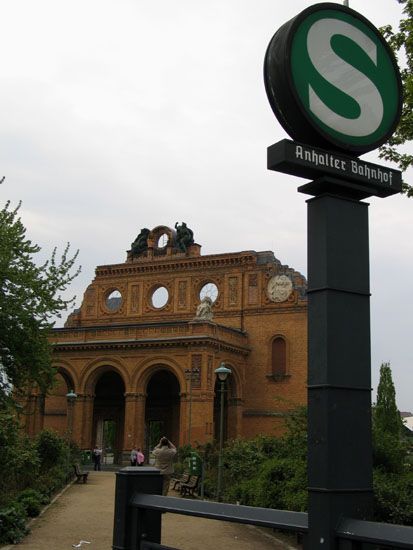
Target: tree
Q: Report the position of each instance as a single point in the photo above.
(30, 296)
(401, 43)
(386, 415)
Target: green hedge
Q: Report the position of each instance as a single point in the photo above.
(32, 471)
(271, 472)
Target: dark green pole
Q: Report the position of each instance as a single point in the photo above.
(339, 385)
(221, 443)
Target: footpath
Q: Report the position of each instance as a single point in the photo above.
(85, 512)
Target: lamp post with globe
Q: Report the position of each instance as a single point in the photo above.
(71, 398)
(222, 373)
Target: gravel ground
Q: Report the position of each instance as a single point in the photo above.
(85, 512)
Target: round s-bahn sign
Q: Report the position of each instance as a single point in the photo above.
(332, 80)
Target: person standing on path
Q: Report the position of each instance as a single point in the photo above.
(164, 454)
(134, 457)
(97, 457)
(141, 458)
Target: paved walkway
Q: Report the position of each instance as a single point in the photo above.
(85, 512)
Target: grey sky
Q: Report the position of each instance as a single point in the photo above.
(118, 115)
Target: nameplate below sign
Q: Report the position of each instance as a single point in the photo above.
(361, 178)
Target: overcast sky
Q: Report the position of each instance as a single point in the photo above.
(118, 115)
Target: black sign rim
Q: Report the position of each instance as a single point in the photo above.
(315, 135)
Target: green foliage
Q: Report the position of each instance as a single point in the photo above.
(272, 472)
(386, 416)
(51, 448)
(401, 42)
(389, 452)
(30, 295)
(32, 501)
(12, 523)
(393, 497)
(18, 456)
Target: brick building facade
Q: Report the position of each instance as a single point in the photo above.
(141, 351)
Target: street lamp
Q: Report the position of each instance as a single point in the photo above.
(222, 373)
(71, 398)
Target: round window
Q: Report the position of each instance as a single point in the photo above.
(163, 240)
(114, 300)
(209, 290)
(160, 297)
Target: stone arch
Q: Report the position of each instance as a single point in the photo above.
(56, 414)
(145, 370)
(65, 369)
(161, 381)
(156, 233)
(94, 370)
(102, 387)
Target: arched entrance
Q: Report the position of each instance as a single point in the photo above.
(109, 416)
(162, 409)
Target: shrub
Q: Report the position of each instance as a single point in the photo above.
(389, 452)
(31, 501)
(393, 497)
(18, 457)
(12, 523)
(52, 449)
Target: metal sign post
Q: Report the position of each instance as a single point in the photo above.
(334, 86)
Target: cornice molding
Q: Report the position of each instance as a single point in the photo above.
(176, 264)
(148, 343)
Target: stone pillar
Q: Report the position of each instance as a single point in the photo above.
(134, 430)
(83, 427)
(183, 419)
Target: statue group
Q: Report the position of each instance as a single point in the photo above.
(140, 244)
(184, 236)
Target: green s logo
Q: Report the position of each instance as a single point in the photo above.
(343, 80)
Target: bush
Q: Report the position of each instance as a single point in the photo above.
(393, 497)
(18, 457)
(52, 449)
(389, 452)
(12, 523)
(31, 501)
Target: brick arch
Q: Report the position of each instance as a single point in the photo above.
(69, 374)
(147, 368)
(97, 367)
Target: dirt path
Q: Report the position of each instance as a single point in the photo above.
(85, 512)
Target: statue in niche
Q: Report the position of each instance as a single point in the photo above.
(140, 244)
(204, 310)
(184, 236)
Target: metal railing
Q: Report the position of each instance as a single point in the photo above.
(139, 507)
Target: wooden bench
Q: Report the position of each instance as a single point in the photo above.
(190, 486)
(80, 474)
(177, 481)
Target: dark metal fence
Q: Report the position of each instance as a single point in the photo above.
(139, 507)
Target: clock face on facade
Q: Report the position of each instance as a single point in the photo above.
(279, 288)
